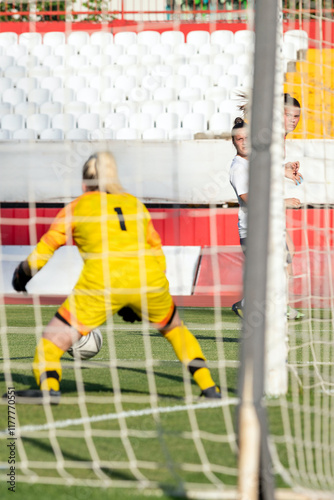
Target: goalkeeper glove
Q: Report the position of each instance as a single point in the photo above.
(128, 315)
(20, 278)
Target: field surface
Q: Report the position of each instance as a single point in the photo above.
(138, 428)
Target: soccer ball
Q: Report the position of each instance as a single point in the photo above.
(88, 346)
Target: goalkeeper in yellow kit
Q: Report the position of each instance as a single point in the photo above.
(124, 272)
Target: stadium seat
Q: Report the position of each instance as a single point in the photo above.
(236, 49)
(5, 108)
(41, 52)
(232, 107)
(90, 51)
(201, 82)
(239, 70)
(15, 73)
(63, 96)
(127, 134)
(164, 95)
(149, 38)
(100, 83)
(115, 121)
(38, 96)
(50, 108)
(26, 108)
(153, 108)
(190, 94)
(75, 82)
(88, 95)
(154, 134)
(139, 94)
(150, 61)
(125, 83)
(198, 38)
(167, 121)
(180, 134)
(8, 38)
(89, 121)
(13, 96)
(27, 61)
(113, 95)
(140, 121)
(181, 108)
(162, 50)
(209, 49)
(5, 83)
(299, 38)
(185, 49)
(207, 108)
(172, 37)
(38, 122)
(220, 123)
(39, 72)
(64, 121)
(176, 60)
(88, 72)
(163, 70)
(200, 60)
(112, 71)
(77, 134)
(222, 38)
(114, 51)
(152, 82)
(213, 71)
(64, 50)
(195, 122)
(27, 84)
(247, 37)
(216, 94)
(24, 134)
(102, 108)
(12, 122)
(125, 60)
(30, 40)
(16, 51)
(101, 38)
(188, 70)
(127, 108)
(228, 82)
(177, 82)
(138, 71)
(125, 38)
(53, 61)
(78, 39)
(137, 50)
(52, 134)
(224, 60)
(102, 134)
(5, 135)
(51, 83)
(77, 61)
(75, 108)
(101, 60)
(54, 38)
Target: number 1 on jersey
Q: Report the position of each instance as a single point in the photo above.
(119, 212)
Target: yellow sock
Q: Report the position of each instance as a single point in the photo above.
(189, 352)
(46, 365)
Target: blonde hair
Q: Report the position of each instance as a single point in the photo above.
(99, 173)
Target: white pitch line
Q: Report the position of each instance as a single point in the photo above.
(61, 424)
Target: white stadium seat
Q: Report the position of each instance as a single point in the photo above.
(236, 49)
(224, 60)
(167, 121)
(228, 82)
(8, 38)
(88, 72)
(188, 70)
(12, 122)
(27, 84)
(77, 134)
(112, 71)
(115, 121)
(38, 122)
(64, 50)
(127, 108)
(52, 134)
(152, 82)
(16, 51)
(138, 95)
(140, 121)
(51, 83)
(201, 82)
(5, 135)
(75, 108)
(247, 37)
(195, 122)
(180, 134)
(5, 108)
(6, 62)
(101, 38)
(78, 39)
(213, 71)
(89, 121)
(102, 108)
(30, 40)
(5, 83)
(232, 107)
(113, 95)
(38, 96)
(77, 61)
(127, 134)
(207, 108)
(149, 38)
(198, 37)
(136, 70)
(100, 83)
(185, 49)
(88, 95)
(24, 134)
(63, 96)
(181, 108)
(27, 61)
(153, 108)
(114, 51)
(150, 61)
(200, 60)
(125, 38)
(125, 83)
(154, 134)
(64, 121)
(41, 52)
(163, 50)
(13, 96)
(102, 134)
(90, 51)
(209, 49)
(220, 123)
(190, 94)
(164, 95)
(299, 38)
(50, 108)
(176, 82)
(222, 37)
(239, 70)
(39, 72)
(176, 60)
(53, 61)
(137, 50)
(126, 60)
(172, 37)
(216, 94)
(26, 108)
(163, 70)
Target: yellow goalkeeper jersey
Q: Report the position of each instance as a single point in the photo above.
(115, 237)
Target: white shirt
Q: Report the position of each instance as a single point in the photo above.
(239, 181)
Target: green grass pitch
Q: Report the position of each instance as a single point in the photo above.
(160, 448)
